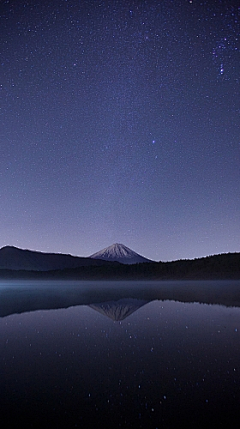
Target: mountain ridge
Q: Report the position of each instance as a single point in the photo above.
(14, 258)
(21, 263)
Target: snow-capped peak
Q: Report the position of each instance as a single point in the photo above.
(120, 253)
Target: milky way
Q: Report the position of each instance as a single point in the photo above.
(119, 122)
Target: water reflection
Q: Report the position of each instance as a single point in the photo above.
(118, 310)
(19, 297)
(167, 364)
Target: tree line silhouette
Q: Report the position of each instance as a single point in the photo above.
(223, 266)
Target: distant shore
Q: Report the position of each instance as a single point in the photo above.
(223, 266)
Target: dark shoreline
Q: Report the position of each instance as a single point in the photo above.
(216, 267)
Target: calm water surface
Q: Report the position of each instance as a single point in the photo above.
(127, 362)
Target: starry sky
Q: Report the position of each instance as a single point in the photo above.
(119, 122)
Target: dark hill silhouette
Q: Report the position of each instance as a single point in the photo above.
(12, 258)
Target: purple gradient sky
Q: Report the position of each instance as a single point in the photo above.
(119, 122)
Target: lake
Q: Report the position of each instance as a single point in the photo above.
(123, 354)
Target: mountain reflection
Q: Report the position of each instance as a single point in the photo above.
(116, 300)
(118, 310)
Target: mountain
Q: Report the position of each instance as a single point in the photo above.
(12, 258)
(119, 253)
(115, 262)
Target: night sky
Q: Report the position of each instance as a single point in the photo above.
(119, 122)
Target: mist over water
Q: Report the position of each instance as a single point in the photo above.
(118, 355)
